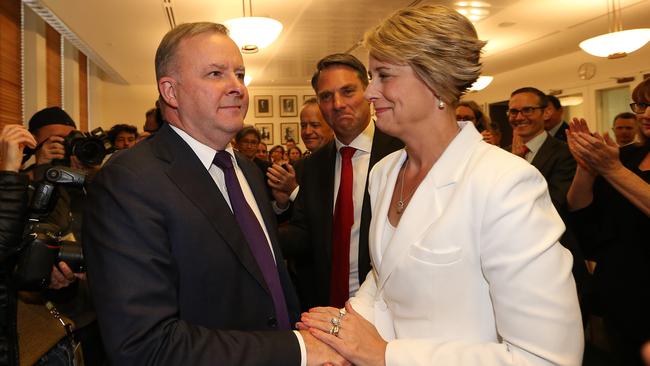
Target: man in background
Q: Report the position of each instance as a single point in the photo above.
(554, 123)
(625, 128)
(327, 236)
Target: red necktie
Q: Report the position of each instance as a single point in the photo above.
(524, 151)
(343, 220)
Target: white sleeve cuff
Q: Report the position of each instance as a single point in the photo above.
(303, 349)
(292, 196)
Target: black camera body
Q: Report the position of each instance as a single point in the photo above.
(43, 245)
(89, 147)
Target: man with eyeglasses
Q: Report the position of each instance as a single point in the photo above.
(527, 111)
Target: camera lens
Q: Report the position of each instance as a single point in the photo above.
(89, 151)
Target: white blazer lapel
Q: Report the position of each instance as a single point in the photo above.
(426, 205)
(385, 179)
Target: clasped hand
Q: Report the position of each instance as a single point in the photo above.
(356, 339)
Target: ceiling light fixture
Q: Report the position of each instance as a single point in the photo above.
(473, 10)
(616, 43)
(251, 33)
(481, 83)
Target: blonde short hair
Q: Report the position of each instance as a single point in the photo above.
(440, 44)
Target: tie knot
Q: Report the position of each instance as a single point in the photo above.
(223, 160)
(347, 152)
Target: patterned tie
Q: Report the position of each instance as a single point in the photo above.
(255, 237)
(343, 220)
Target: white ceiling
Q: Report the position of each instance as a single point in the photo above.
(122, 35)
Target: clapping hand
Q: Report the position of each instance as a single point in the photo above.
(593, 152)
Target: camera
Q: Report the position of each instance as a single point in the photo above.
(89, 147)
(43, 246)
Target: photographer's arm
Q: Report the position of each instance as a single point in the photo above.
(13, 186)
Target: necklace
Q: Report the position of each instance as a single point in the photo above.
(403, 201)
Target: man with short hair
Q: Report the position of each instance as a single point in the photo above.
(123, 136)
(527, 111)
(181, 243)
(625, 128)
(328, 232)
(553, 121)
(314, 130)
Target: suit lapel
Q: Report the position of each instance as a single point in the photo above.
(326, 180)
(193, 180)
(544, 154)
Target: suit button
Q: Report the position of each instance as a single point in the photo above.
(272, 322)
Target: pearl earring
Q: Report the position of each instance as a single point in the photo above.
(441, 104)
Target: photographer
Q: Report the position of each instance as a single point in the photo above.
(52, 128)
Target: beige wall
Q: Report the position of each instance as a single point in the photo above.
(562, 73)
(111, 103)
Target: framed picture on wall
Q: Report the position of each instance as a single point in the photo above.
(263, 105)
(305, 97)
(289, 130)
(288, 105)
(266, 132)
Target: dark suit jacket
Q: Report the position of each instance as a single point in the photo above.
(307, 239)
(171, 275)
(555, 162)
(561, 132)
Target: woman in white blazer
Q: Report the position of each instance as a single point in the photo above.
(468, 269)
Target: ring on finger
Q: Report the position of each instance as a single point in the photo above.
(342, 312)
(335, 321)
(334, 330)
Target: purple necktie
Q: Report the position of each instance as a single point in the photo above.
(255, 237)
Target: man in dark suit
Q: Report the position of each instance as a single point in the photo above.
(527, 111)
(180, 240)
(554, 123)
(329, 270)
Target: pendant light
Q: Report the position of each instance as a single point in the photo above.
(251, 33)
(617, 42)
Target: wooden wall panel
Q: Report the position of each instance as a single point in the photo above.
(53, 66)
(83, 92)
(10, 81)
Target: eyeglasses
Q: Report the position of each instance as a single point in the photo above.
(639, 108)
(525, 111)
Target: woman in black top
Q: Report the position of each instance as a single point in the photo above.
(610, 200)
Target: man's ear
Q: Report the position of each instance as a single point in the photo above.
(547, 112)
(167, 89)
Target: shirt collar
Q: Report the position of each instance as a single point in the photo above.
(536, 142)
(204, 152)
(362, 142)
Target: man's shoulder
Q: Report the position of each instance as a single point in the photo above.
(320, 156)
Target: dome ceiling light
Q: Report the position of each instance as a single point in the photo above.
(617, 42)
(251, 33)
